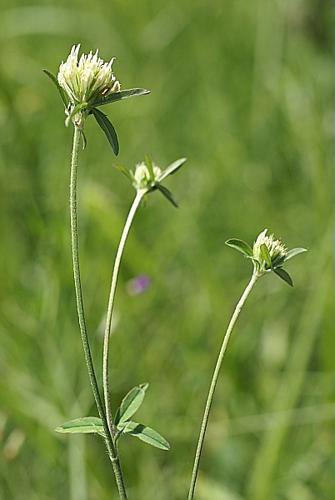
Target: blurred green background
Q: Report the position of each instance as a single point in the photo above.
(245, 91)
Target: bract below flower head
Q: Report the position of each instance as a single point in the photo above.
(143, 178)
(276, 250)
(87, 78)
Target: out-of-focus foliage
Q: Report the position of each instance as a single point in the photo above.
(244, 91)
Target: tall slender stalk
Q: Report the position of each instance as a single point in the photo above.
(214, 380)
(112, 451)
(108, 328)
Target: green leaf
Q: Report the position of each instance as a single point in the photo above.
(125, 171)
(284, 275)
(278, 261)
(84, 425)
(241, 246)
(107, 128)
(168, 195)
(294, 252)
(59, 88)
(149, 164)
(265, 254)
(146, 434)
(118, 96)
(83, 137)
(172, 169)
(130, 404)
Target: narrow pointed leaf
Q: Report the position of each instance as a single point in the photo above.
(117, 418)
(278, 261)
(149, 164)
(284, 275)
(83, 137)
(118, 96)
(130, 404)
(59, 88)
(84, 425)
(265, 254)
(168, 195)
(107, 128)
(146, 434)
(240, 245)
(125, 172)
(294, 252)
(172, 169)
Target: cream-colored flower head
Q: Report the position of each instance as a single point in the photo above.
(142, 177)
(277, 250)
(267, 254)
(86, 78)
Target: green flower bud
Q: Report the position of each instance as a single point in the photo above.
(143, 178)
(147, 177)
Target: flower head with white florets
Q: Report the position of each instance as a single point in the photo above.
(144, 178)
(275, 251)
(267, 254)
(85, 83)
(87, 78)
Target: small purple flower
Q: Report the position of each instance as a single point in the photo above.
(138, 285)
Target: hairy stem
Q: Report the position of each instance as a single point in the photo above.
(112, 451)
(108, 328)
(214, 380)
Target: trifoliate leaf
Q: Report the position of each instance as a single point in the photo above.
(241, 246)
(107, 128)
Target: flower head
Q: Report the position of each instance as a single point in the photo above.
(267, 254)
(145, 177)
(84, 84)
(87, 78)
(276, 250)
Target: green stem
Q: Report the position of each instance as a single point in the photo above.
(110, 308)
(214, 380)
(112, 451)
